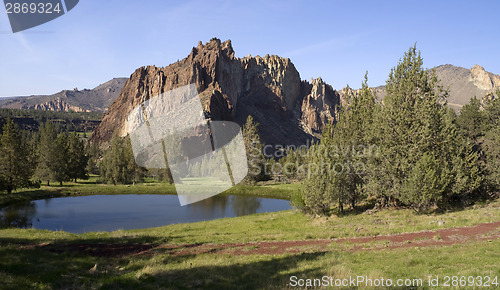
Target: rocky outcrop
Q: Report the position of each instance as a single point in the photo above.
(95, 100)
(319, 106)
(269, 88)
(484, 80)
(55, 105)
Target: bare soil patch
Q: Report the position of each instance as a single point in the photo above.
(442, 237)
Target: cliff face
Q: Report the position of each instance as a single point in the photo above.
(289, 111)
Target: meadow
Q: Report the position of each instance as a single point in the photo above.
(228, 253)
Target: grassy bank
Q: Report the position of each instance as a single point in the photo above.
(42, 259)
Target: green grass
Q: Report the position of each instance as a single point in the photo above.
(26, 263)
(39, 268)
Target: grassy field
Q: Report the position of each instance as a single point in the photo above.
(52, 260)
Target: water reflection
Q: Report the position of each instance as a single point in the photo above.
(243, 205)
(216, 205)
(18, 215)
(112, 212)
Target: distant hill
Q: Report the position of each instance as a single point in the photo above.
(462, 83)
(95, 100)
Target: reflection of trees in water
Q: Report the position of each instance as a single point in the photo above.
(18, 215)
(211, 206)
(243, 205)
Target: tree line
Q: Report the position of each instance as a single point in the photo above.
(42, 157)
(426, 155)
(31, 159)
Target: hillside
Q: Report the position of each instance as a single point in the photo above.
(463, 84)
(95, 100)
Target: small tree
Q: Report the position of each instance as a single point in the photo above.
(492, 153)
(77, 159)
(118, 164)
(472, 121)
(424, 186)
(133, 171)
(317, 191)
(94, 155)
(15, 171)
(61, 157)
(255, 157)
(46, 153)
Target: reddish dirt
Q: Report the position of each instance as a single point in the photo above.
(443, 237)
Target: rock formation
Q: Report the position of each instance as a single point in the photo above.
(269, 88)
(463, 84)
(95, 100)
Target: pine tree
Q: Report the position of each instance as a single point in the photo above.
(118, 164)
(472, 121)
(255, 157)
(318, 195)
(15, 171)
(94, 156)
(492, 153)
(113, 165)
(492, 112)
(412, 124)
(46, 153)
(77, 159)
(133, 171)
(61, 157)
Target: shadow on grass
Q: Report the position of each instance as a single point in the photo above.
(123, 262)
(67, 263)
(264, 274)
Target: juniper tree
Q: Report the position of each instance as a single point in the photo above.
(94, 155)
(317, 190)
(118, 164)
(61, 156)
(472, 120)
(15, 171)
(46, 153)
(253, 146)
(411, 124)
(113, 165)
(492, 153)
(77, 158)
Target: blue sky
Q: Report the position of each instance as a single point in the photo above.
(337, 40)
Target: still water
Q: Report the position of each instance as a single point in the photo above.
(113, 212)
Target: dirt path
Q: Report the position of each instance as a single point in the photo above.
(443, 237)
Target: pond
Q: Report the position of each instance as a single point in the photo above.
(131, 211)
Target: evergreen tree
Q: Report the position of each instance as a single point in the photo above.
(77, 159)
(118, 163)
(15, 171)
(113, 166)
(133, 171)
(61, 157)
(492, 112)
(94, 156)
(255, 157)
(46, 153)
(492, 153)
(413, 135)
(318, 195)
(472, 121)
